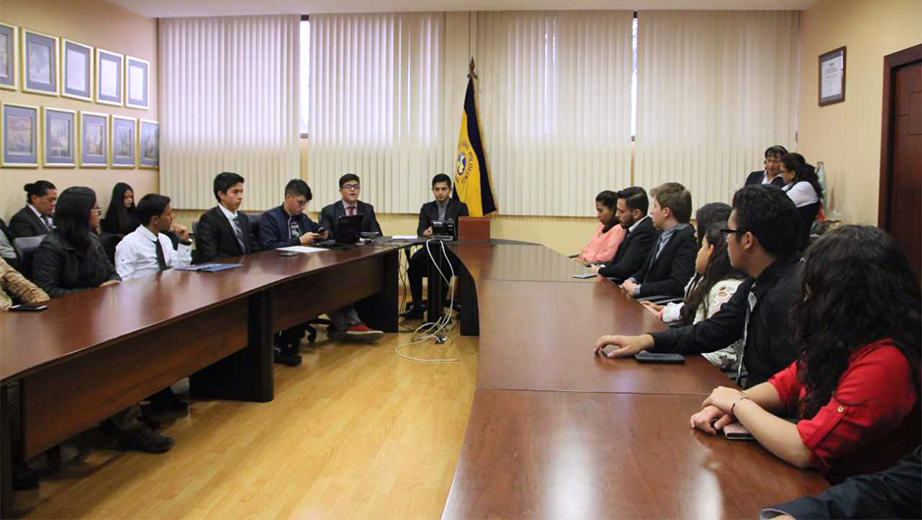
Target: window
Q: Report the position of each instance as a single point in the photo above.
(305, 81)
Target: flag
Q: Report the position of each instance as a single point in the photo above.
(472, 181)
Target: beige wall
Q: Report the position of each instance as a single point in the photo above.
(846, 136)
(99, 24)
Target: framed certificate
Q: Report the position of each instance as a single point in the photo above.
(832, 77)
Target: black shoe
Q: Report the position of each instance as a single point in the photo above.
(415, 313)
(286, 357)
(166, 401)
(143, 439)
(148, 421)
(24, 477)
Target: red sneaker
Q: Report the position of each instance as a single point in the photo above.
(363, 333)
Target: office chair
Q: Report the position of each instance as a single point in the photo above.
(25, 249)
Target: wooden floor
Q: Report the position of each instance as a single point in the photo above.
(354, 432)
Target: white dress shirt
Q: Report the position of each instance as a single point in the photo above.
(49, 222)
(802, 193)
(136, 254)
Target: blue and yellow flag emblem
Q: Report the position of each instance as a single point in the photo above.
(472, 180)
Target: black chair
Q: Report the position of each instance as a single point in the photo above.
(110, 242)
(25, 249)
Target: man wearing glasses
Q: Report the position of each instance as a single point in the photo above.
(350, 188)
(770, 175)
(288, 225)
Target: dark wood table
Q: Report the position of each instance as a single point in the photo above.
(596, 455)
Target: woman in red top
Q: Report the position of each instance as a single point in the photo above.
(854, 390)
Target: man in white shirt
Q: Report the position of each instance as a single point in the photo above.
(147, 250)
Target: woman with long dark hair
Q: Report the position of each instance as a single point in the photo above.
(855, 386)
(608, 235)
(803, 187)
(121, 217)
(713, 285)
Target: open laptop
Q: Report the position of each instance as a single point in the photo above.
(347, 231)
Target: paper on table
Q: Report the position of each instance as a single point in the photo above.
(302, 249)
(404, 237)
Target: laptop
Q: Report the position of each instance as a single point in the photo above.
(347, 231)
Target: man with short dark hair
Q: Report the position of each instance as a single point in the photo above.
(350, 188)
(442, 209)
(632, 214)
(147, 250)
(223, 230)
(670, 263)
(761, 225)
(770, 175)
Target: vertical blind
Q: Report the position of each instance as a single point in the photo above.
(229, 102)
(714, 90)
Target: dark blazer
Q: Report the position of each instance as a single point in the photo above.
(632, 252)
(806, 215)
(429, 213)
(330, 215)
(59, 270)
(668, 273)
(274, 231)
(756, 178)
(215, 236)
(25, 224)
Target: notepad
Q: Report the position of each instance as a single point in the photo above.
(404, 237)
(209, 268)
(302, 249)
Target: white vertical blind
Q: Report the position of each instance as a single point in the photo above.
(555, 107)
(229, 101)
(377, 107)
(714, 90)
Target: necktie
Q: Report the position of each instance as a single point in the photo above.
(750, 306)
(161, 260)
(238, 232)
(350, 210)
(47, 221)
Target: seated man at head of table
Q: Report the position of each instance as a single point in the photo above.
(349, 188)
(762, 243)
(287, 225)
(223, 230)
(631, 213)
(670, 264)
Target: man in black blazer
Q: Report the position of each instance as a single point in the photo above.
(632, 214)
(670, 263)
(37, 216)
(222, 230)
(771, 173)
(350, 188)
(442, 209)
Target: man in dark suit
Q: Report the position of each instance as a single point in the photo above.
(442, 209)
(770, 175)
(632, 214)
(350, 188)
(670, 264)
(37, 217)
(222, 230)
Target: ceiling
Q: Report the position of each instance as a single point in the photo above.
(182, 8)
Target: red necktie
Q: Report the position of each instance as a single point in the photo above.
(350, 210)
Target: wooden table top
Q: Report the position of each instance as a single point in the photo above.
(594, 455)
(518, 262)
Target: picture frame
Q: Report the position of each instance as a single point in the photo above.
(20, 136)
(59, 138)
(137, 83)
(148, 144)
(9, 56)
(123, 142)
(40, 63)
(832, 77)
(94, 140)
(110, 71)
(76, 70)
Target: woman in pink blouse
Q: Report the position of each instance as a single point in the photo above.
(608, 236)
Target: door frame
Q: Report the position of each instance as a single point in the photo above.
(891, 63)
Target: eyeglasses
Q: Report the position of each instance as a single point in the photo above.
(302, 203)
(350, 186)
(727, 231)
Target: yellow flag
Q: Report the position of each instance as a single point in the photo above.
(472, 181)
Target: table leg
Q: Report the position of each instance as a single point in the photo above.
(6, 457)
(380, 310)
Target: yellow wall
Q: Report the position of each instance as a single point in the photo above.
(98, 24)
(846, 136)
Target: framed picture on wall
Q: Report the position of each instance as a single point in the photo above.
(40, 65)
(77, 70)
(148, 144)
(124, 131)
(137, 82)
(110, 68)
(832, 77)
(59, 138)
(20, 136)
(9, 56)
(94, 140)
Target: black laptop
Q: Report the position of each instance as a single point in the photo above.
(347, 231)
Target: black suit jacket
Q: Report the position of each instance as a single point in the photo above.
(756, 178)
(330, 215)
(668, 273)
(429, 213)
(632, 252)
(215, 236)
(25, 224)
